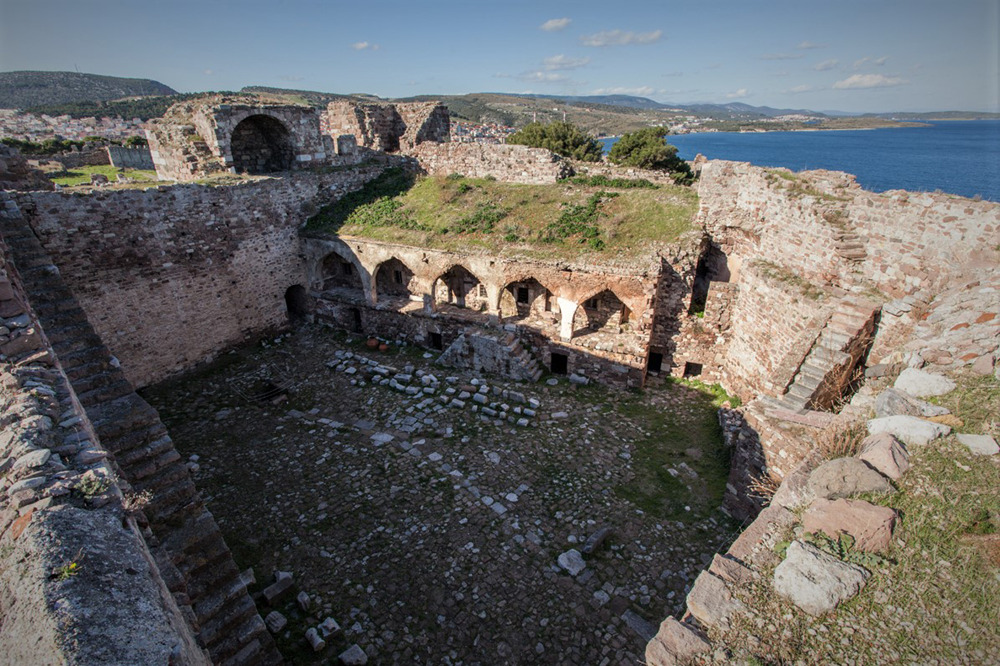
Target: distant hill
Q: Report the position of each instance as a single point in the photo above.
(22, 90)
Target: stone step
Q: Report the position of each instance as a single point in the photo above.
(71, 345)
(116, 389)
(215, 632)
(243, 628)
(93, 381)
(799, 393)
(86, 368)
(126, 459)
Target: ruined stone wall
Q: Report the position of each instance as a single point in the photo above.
(388, 127)
(63, 532)
(512, 164)
(173, 275)
(825, 228)
(774, 323)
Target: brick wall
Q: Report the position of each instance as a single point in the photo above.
(514, 164)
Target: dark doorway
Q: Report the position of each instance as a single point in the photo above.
(297, 303)
(436, 341)
(356, 320)
(522, 294)
(261, 144)
(692, 369)
(655, 362)
(559, 364)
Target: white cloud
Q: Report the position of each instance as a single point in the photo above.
(621, 38)
(562, 62)
(826, 65)
(877, 62)
(809, 45)
(555, 24)
(781, 56)
(208, 72)
(739, 94)
(799, 89)
(642, 91)
(363, 46)
(859, 81)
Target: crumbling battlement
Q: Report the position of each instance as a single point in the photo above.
(389, 128)
(512, 164)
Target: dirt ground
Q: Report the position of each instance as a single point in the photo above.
(430, 530)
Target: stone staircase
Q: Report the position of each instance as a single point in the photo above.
(531, 369)
(191, 553)
(850, 246)
(826, 370)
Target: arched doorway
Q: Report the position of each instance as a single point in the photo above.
(261, 144)
(342, 277)
(297, 303)
(459, 287)
(393, 279)
(602, 312)
(528, 299)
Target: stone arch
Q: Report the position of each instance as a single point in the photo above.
(524, 297)
(297, 303)
(261, 144)
(393, 278)
(343, 275)
(460, 287)
(601, 311)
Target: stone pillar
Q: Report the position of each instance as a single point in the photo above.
(567, 310)
(493, 298)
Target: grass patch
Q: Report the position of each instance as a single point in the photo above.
(81, 175)
(976, 401)
(682, 433)
(562, 220)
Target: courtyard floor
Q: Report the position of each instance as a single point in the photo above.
(428, 522)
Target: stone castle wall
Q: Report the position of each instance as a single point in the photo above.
(512, 164)
(171, 276)
(388, 127)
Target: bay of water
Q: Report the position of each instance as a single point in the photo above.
(959, 157)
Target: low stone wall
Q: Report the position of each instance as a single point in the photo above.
(512, 164)
(130, 158)
(171, 276)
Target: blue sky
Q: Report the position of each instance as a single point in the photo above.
(849, 55)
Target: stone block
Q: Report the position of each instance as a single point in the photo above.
(911, 430)
(844, 477)
(923, 384)
(979, 444)
(870, 525)
(675, 643)
(353, 656)
(886, 454)
(711, 602)
(278, 591)
(815, 581)
(572, 562)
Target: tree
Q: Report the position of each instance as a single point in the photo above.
(648, 149)
(561, 138)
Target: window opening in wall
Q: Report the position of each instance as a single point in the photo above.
(482, 291)
(522, 294)
(591, 303)
(436, 341)
(356, 320)
(548, 302)
(397, 275)
(559, 364)
(655, 362)
(692, 369)
(345, 267)
(297, 303)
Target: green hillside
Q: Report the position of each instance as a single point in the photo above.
(22, 90)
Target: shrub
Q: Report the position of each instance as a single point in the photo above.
(648, 149)
(562, 139)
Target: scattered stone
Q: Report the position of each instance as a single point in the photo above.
(552, 381)
(31, 460)
(870, 525)
(353, 656)
(886, 454)
(910, 429)
(314, 639)
(894, 402)
(644, 629)
(329, 628)
(815, 581)
(983, 365)
(601, 597)
(711, 602)
(730, 570)
(572, 562)
(303, 601)
(676, 643)
(983, 445)
(278, 590)
(560, 415)
(922, 384)
(844, 477)
(275, 621)
(595, 540)
(381, 438)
